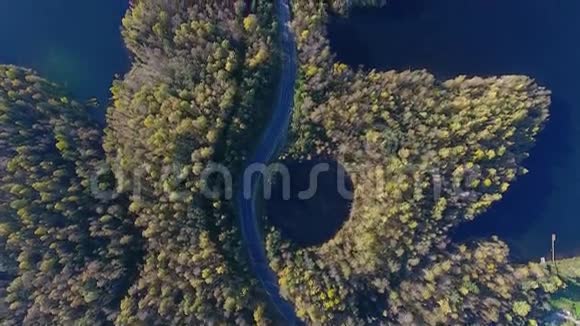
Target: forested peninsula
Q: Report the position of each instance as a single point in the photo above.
(112, 227)
(392, 261)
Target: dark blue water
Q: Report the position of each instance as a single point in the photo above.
(74, 42)
(539, 38)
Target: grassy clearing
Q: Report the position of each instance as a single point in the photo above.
(569, 298)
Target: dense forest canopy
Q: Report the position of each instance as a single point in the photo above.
(68, 248)
(201, 77)
(113, 227)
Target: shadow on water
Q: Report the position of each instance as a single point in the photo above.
(74, 43)
(523, 205)
(481, 37)
(354, 50)
(313, 220)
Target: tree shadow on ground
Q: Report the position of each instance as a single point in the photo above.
(572, 290)
(314, 218)
(569, 298)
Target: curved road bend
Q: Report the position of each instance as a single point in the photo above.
(272, 138)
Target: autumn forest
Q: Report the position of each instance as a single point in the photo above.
(111, 226)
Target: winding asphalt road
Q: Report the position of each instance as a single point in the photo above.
(271, 140)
